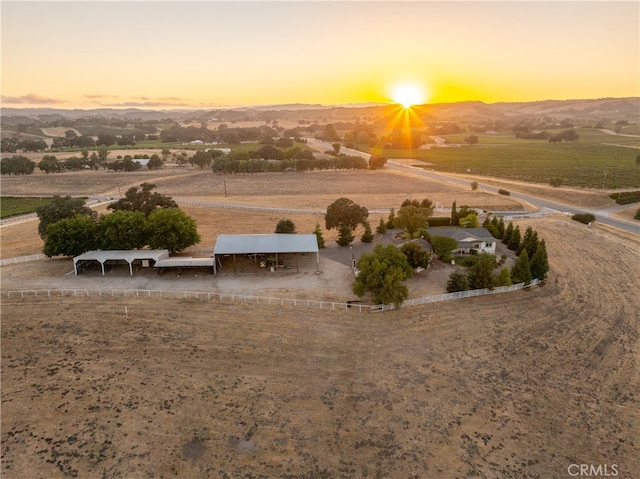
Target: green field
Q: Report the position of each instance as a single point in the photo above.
(13, 205)
(587, 162)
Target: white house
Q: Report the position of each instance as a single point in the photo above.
(476, 239)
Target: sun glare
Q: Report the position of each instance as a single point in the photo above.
(408, 94)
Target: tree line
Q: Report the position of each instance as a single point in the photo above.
(141, 218)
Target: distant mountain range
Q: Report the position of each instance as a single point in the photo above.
(611, 109)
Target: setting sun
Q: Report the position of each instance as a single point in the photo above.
(408, 94)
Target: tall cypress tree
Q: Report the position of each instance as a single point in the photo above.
(455, 221)
(540, 263)
(521, 271)
(514, 240)
(391, 220)
(506, 237)
(319, 236)
(367, 236)
(501, 228)
(528, 234)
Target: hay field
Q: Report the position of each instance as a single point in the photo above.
(518, 385)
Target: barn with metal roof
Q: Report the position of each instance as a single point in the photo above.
(265, 244)
(142, 255)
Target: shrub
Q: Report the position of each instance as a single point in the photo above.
(382, 227)
(285, 226)
(345, 235)
(585, 218)
(367, 236)
(637, 216)
(555, 182)
(376, 162)
(467, 261)
(457, 282)
(625, 197)
(319, 236)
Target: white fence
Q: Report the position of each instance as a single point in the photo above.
(22, 259)
(450, 296)
(16, 219)
(257, 300)
(196, 295)
(249, 207)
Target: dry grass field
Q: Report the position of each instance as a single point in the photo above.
(519, 385)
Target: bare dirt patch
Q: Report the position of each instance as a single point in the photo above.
(373, 189)
(515, 385)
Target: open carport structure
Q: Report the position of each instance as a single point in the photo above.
(142, 255)
(265, 244)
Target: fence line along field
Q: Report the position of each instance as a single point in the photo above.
(518, 385)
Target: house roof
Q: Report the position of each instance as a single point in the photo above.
(463, 235)
(420, 242)
(267, 243)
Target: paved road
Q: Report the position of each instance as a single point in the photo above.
(602, 214)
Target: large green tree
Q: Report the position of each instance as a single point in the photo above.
(412, 218)
(17, 165)
(172, 229)
(122, 230)
(514, 239)
(50, 164)
(521, 271)
(539, 264)
(61, 208)
(417, 256)
(481, 273)
(70, 237)
(381, 273)
(443, 246)
(142, 198)
(345, 235)
(343, 211)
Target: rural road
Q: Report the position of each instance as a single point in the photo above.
(602, 214)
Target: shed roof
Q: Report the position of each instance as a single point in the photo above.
(267, 243)
(179, 262)
(125, 255)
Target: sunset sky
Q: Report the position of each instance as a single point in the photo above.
(219, 54)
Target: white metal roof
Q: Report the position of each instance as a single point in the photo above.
(125, 255)
(178, 261)
(271, 243)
